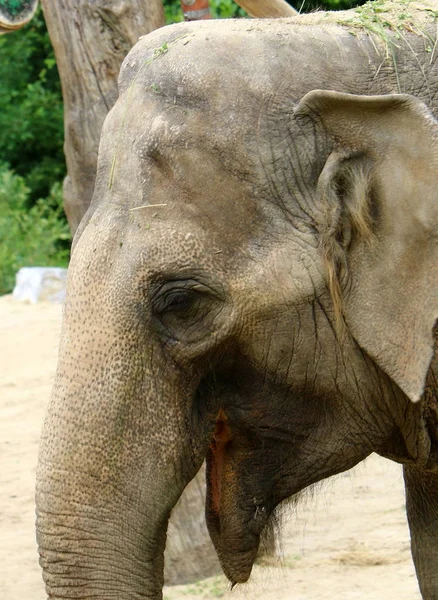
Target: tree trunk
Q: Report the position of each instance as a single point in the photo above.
(189, 554)
(14, 15)
(267, 8)
(91, 38)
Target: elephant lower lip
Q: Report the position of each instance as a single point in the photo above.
(236, 556)
(238, 567)
(234, 531)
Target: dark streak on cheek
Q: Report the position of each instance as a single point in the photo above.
(221, 436)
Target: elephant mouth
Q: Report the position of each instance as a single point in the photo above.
(234, 523)
(221, 437)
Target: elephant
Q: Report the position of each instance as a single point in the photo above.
(254, 284)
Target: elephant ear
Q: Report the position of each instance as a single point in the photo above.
(380, 187)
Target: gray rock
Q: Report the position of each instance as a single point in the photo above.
(40, 284)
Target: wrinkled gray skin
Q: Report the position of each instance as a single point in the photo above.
(206, 326)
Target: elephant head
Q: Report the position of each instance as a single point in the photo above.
(254, 283)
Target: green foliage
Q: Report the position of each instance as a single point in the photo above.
(33, 227)
(220, 9)
(31, 113)
(38, 236)
(172, 11)
(225, 9)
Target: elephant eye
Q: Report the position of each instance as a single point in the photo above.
(185, 310)
(177, 301)
(179, 298)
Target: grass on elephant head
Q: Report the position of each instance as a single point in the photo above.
(391, 21)
(401, 17)
(387, 22)
(382, 16)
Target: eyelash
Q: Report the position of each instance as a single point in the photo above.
(177, 301)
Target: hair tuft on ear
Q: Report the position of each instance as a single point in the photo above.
(334, 261)
(359, 203)
(347, 195)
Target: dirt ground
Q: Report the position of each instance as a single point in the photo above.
(348, 542)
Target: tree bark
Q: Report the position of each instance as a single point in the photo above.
(91, 38)
(189, 554)
(267, 8)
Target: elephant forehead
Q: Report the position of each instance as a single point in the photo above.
(205, 89)
(146, 125)
(174, 167)
(195, 58)
(181, 197)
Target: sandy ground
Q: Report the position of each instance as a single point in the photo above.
(349, 542)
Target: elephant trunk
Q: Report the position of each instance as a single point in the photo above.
(100, 534)
(92, 551)
(113, 462)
